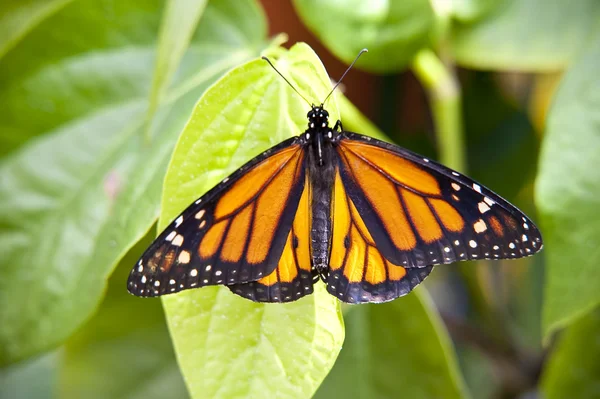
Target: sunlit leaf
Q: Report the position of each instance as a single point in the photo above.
(228, 346)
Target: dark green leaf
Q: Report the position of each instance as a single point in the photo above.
(393, 31)
(179, 22)
(568, 194)
(73, 201)
(31, 378)
(125, 350)
(393, 350)
(530, 35)
(574, 365)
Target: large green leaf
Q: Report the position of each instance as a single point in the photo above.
(18, 17)
(31, 378)
(393, 350)
(574, 365)
(530, 35)
(228, 346)
(180, 19)
(124, 351)
(73, 201)
(568, 194)
(393, 31)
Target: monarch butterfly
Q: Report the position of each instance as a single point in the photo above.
(368, 218)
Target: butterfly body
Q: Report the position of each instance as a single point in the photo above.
(368, 218)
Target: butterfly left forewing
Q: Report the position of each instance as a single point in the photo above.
(233, 234)
(421, 213)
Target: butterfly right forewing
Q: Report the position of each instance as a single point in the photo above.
(233, 234)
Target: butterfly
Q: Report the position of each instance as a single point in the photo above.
(368, 218)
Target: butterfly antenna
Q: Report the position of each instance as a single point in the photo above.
(287, 81)
(347, 70)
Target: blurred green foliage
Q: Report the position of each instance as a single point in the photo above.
(110, 105)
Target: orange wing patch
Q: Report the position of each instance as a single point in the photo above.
(401, 170)
(232, 238)
(292, 278)
(358, 272)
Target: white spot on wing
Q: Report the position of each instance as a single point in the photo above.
(472, 244)
(171, 235)
(200, 214)
(178, 221)
(178, 240)
(477, 187)
(479, 226)
(193, 272)
(455, 186)
(483, 207)
(184, 257)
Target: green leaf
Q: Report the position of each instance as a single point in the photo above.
(180, 19)
(471, 10)
(73, 201)
(125, 350)
(527, 35)
(568, 194)
(393, 31)
(32, 378)
(393, 350)
(18, 17)
(574, 365)
(228, 346)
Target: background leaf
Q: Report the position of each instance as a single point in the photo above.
(393, 31)
(73, 201)
(124, 351)
(526, 35)
(180, 19)
(568, 194)
(392, 350)
(32, 378)
(574, 366)
(228, 346)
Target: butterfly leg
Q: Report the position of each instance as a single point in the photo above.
(338, 126)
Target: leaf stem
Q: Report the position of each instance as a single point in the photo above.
(444, 94)
(446, 105)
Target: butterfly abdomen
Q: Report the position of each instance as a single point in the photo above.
(321, 175)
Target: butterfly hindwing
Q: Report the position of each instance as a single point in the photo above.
(292, 278)
(235, 233)
(357, 270)
(421, 213)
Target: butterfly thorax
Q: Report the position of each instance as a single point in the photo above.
(321, 175)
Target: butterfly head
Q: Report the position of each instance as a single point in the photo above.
(318, 117)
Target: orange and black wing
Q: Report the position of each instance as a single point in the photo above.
(357, 270)
(420, 213)
(292, 278)
(233, 234)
